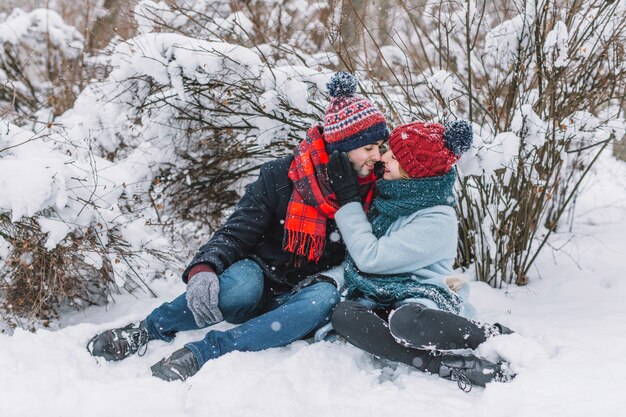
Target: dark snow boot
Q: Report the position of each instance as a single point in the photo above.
(416, 326)
(469, 370)
(117, 344)
(180, 365)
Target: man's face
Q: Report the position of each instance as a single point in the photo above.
(364, 158)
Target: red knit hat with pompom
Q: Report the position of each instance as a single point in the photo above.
(430, 149)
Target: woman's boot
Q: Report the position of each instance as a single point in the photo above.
(469, 371)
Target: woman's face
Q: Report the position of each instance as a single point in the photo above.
(392, 167)
(364, 158)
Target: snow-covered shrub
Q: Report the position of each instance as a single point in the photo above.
(37, 281)
(204, 113)
(70, 230)
(541, 82)
(41, 65)
(504, 66)
(187, 109)
(275, 25)
(164, 140)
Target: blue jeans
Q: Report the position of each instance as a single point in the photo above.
(267, 321)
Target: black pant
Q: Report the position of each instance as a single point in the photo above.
(413, 336)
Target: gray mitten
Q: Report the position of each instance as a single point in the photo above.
(202, 298)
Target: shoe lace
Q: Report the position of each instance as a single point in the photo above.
(462, 381)
(142, 342)
(138, 340)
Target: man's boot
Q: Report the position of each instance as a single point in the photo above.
(469, 370)
(117, 344)
(180, 365)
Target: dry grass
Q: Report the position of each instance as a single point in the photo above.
(36, 283)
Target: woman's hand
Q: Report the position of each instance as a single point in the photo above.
(343, 178)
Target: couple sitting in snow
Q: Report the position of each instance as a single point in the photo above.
(266, 268)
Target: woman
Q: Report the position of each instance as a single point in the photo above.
(402, 252)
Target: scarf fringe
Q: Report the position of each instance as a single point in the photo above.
(304, 244)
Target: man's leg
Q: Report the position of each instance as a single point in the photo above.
(241, 290)
(297, 315)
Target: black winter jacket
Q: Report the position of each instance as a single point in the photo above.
(255, 231)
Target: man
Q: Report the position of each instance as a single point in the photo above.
(259, 269)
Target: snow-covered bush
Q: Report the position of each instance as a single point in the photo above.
(41, 65)
(69, 228)
(204, 113)
(543, 82)
(276, 25)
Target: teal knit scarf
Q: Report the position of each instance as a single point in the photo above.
(395, 199)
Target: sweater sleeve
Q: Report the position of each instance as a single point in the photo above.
(429, 237)
(245, 227)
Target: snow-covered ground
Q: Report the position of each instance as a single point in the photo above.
(570, 352)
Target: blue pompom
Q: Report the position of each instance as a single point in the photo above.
(342, 84)
(458, 136)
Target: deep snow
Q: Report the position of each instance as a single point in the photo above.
(570, 353)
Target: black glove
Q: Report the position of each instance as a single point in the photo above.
(343, 178)
(379, 169)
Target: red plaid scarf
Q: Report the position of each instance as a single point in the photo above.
(313, 201)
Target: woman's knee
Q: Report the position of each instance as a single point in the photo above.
(406, 318)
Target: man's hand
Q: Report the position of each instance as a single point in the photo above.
(343, 178)
(202, 298)
(379, 169)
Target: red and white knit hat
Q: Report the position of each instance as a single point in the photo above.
(351, 121)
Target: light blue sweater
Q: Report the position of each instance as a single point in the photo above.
(423, 244)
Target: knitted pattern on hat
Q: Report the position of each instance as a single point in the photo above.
(351, 121)
(430, 149)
